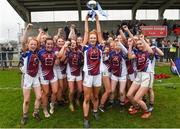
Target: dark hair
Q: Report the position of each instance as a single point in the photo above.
(49, 38)
(175, 41)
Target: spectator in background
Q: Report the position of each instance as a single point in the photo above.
(10, 50)
(4, 56)
(117, 32)
(173, 50)
(105, 35)
(159, 45)
(165, 23)
(67, 31)
(165, 45)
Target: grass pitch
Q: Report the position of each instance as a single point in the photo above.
(166, 113)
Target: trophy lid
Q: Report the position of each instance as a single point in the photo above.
(92, 3)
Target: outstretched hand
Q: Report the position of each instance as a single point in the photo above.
(67, 43)
(125, 27)
(29, 26)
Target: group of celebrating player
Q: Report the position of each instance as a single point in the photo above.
(49, 64)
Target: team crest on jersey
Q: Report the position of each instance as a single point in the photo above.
(115, 61)
(36, 61)
(141, 59)
(94, 54)
(75, 59)
(49, 61)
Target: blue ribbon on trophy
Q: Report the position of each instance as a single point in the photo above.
(92, 5)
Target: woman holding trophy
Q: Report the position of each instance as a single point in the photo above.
(93, 66)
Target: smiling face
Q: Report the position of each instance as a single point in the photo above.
(60, 42)
(140, 45)
(112, 45)
(92, 39)
(49, 44)
(116, 47)
(32, 45)
(79, 40)
(73, 44)
(119, 38)
(106, 49)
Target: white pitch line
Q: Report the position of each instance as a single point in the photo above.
(165, 84)
(9, 88)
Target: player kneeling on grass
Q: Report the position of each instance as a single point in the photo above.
(31, 78)
(144, 78)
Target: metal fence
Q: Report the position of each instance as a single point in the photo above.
(168, 55)
(10, 59)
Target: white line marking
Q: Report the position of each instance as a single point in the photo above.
(9, 88)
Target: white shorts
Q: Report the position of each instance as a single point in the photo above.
(90, 81)
(131, 77)
(29, 82)
(105, 71)
(74, 78)
(115, 78)
(59, 74)
(47, 82)
(144, 79)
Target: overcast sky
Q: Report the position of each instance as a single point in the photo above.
(9, 19)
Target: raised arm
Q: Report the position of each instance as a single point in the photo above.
(121, 46)
(24, 38)
(130, 54)
(159, 51)
(148, 48)
(86, 31)
(123, 35)
(63, 50)
(98, 28)
(72, 34)
(41, 33)
(125, 27)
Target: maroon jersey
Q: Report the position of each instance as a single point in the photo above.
(130, 66)
(93, 59)
(116, 63)
(143, 61)
(31, 61)
(75, 62)
(107, 62)
(63, 66)
(47, 63)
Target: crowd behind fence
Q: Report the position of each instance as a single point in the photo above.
(12, 59)
(9, 59)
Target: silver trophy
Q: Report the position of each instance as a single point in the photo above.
(92, 6)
